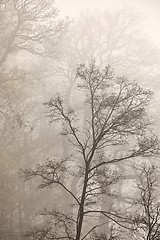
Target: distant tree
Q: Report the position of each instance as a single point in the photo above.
(117, 116)
(30, 30)
(28, 25)
(31, 26)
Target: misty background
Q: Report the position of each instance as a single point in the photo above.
(41, 45)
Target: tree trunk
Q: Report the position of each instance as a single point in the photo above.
(81, 207)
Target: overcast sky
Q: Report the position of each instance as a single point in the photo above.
(149, 8)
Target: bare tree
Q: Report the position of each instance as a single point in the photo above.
(110, 37)
(117, 116)
(145, 207)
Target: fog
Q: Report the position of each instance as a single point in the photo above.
(79, 120)
(149, 10)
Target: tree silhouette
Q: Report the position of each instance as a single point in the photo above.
(117, 116)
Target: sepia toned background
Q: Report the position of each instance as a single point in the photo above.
(47, 51)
